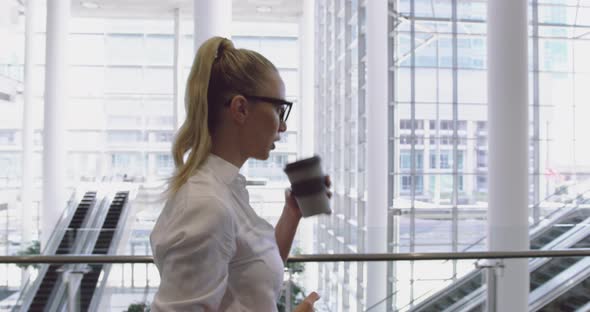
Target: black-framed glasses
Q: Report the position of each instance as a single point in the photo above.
(284, 106)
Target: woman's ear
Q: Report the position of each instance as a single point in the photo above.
(239, 108)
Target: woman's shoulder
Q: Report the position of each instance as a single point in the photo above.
(200, 212)
(202, 197)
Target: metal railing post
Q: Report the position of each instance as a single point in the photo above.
(491, 267)
(72, 279)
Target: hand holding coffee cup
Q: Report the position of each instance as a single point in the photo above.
(308, 186)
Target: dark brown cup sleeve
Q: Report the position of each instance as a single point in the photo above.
(308, 187)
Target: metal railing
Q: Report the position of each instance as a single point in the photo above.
(491, 267)
(367, 257)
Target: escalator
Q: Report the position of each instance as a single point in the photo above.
(562, 284)
(577, 299)
(50, 279)
(103, 245)
(467, 293)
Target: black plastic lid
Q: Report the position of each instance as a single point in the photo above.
(304, 163)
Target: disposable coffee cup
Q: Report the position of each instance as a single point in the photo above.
(308, 186)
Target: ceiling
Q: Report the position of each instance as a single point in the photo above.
(243, 10)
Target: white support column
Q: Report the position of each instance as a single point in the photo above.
(306, 123)
(211, 18)
(377, 145)
(178, 106)
(508, 147)
(306, 105)
(32, 9)
(54, 133)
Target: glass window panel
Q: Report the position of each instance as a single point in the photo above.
(403, 85)
(475, 10)
(472, 86)
(557, 14)
(250, 43)
(123, 121)
(472, 191)
(124, 49)
(10, 164)
(123, 80)
(556, 89)
(426, 85)
(471, 52)
(583, 14)
(433, 234)
(432, 112)
(581, 49)
(471, 114)
(85, 140)
(86, 81)
(405, 161)
(283, 52)
(159, 50)
(123, 106)
(158, 80)
(130, 164)
(187, 53)
(154, 107)
(87, 25)
(291, 80)
(582, 128)
(426, 54)
(403, 6)
(125, 26)
(472, 229)
(85, 114)
(122, 136)
(582, 92)
(163, 121)
(87, 49)
(555, 55)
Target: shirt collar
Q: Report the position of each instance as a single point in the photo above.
(222, 169)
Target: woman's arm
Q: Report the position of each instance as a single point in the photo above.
(287, 226)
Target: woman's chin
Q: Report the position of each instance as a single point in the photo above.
(262, 156)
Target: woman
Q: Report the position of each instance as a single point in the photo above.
(212, 250)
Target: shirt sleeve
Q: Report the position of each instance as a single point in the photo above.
(192, 252)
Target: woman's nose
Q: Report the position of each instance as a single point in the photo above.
(283, 126)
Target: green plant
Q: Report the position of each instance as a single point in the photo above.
(138, 307)
(33, 249)
(297, 291)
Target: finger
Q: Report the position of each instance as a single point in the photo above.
(328, 181)
(312, 297)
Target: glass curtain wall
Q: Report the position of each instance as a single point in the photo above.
(341, 123)
(438, 131)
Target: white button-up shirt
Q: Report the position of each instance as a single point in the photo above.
(213, 251)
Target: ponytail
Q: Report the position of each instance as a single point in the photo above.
(194, 136)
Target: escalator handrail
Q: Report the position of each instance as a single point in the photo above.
(115, 241)
(564, 241)
(437, 295)
(559, 284)
(28, 292)
(80, 247)
(65, 219)
(550, 216)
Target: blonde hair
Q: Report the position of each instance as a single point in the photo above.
(219, 72)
